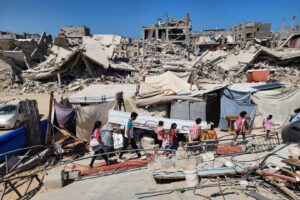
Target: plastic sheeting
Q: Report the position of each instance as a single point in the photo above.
(279, 103)
(234, 102)
(99, 93)
(167, 84)
(87, 115)
(65, 116)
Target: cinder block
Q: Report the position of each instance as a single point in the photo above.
(54, 179)
(71, 175)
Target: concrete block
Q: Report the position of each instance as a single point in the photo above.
(71, 175)
(161, 164)
(54, 179)
(181, 163)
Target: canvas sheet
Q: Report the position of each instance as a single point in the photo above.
(87, 115)
(234, 102)
(279, 103)
(167, 84)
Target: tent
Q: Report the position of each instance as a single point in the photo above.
(87, 115)
(166, 84)
(99, 93)
(279, 103)
(232, 103)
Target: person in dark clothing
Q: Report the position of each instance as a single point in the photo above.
(97, 149)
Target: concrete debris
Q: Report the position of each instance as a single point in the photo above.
(210, 56)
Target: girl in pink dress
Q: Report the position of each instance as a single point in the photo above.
(268, 124)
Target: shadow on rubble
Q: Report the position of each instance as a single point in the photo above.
(21, 195)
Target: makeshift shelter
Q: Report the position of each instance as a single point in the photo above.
(279, 103)
(165, 84)
(232, 103)
(101, 93)
(87, 115)
(65, 116)
(188, 110)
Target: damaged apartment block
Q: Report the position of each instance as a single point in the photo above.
(175, 31)
(71, 36)
(247, 31)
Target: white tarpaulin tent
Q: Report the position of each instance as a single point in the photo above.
(167, 84)
(279, 103)
(101, 93)
(87, 115)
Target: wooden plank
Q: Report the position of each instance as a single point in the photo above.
(291, 162)
(277, 175)
(287, 171)
(48, 134)
(279, 186)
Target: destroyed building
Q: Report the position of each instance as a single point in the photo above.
(129, 48)
(289, 38)
(11, 35)
(176, 31)
(210, 39)
(72, 34)
(247, 31)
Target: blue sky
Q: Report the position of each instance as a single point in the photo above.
(126, 17)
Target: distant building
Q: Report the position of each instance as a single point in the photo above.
(129, 48)
(289, 38)
(210, 39)
(73, 35)
(10, 35)
(176, 31)
(244, 32)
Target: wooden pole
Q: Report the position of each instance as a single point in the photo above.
(48, 134)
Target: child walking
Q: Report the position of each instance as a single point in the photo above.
(195, 132)
(169, 138)
(240, 125)
(268, 124)
(160, 132)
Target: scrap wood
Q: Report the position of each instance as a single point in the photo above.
(74, 145)
(65, 140)
(281, 187)
(292, 161)
(276, 175)
(287, 171)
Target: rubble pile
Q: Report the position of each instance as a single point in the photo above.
(72, 62)
(231, 66)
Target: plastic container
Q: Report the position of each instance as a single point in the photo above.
(118, 140)
(191, 177)
(106, 136)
